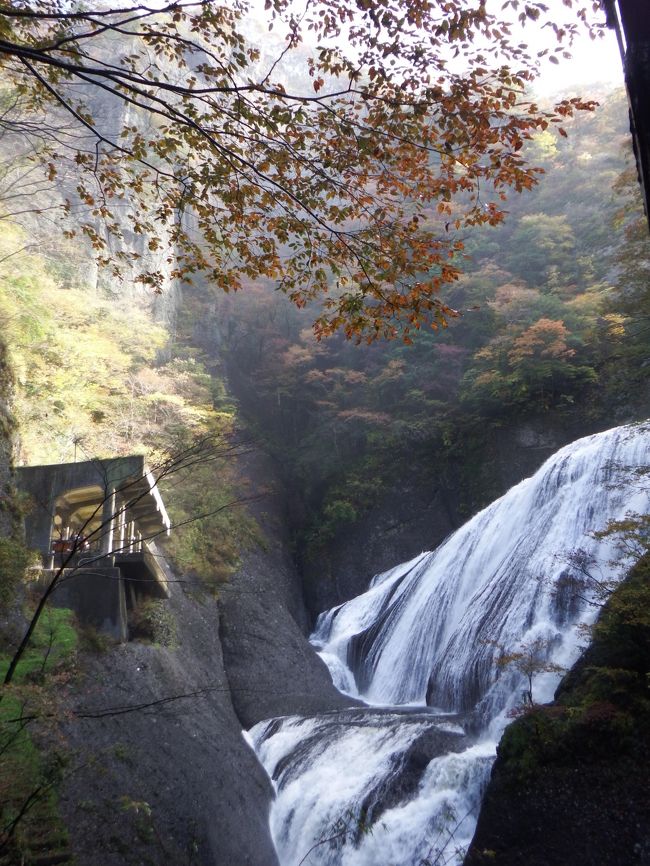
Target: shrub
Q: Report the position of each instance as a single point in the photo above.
(14, 561)
(152, 620)
(94, 641)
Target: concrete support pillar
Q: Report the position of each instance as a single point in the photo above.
(108, 521)
(133, 599)
(122, 524)
(123, 617)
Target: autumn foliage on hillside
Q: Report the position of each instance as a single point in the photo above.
(563, 337)
(342, 160)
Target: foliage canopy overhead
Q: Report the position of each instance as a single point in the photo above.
(350, 188)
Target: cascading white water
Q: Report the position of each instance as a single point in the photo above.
(429, 631)
(408, 779)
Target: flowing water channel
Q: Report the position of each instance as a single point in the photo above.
(400, 783)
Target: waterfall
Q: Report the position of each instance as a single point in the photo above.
(425, 637)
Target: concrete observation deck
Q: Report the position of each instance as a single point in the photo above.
(96, 522)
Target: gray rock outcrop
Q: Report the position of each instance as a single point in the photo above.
(272, 669)
(174, 782)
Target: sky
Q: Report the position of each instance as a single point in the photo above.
(592, 62)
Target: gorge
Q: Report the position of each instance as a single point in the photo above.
(274, 706)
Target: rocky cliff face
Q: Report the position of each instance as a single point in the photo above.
(430, 500)
(173, 782)
(164, 774)
(271, 667)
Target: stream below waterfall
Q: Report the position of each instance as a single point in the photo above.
(399, 783)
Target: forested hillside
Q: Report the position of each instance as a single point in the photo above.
(553, 325)
(553, 311)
